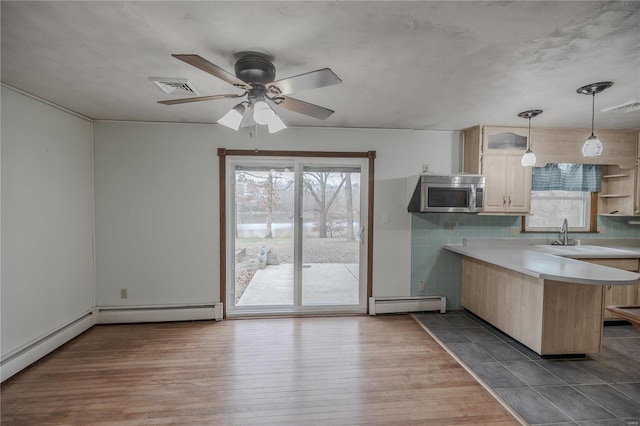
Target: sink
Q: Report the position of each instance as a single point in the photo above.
(583, 249)
(598, 249)
(553, 248)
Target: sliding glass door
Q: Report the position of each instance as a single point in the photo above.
(296, 235)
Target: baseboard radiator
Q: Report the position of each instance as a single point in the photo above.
(388, 305)
(26, 355)
(136, 314)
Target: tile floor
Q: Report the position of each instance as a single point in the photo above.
(602, 389)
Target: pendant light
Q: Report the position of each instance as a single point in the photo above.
(592, 147)
(233, 118)
(529, 158)
(275, 124)
(262, 113)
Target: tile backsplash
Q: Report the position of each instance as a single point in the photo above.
(440, 269)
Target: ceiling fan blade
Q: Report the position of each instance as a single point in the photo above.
(206, 66)
(198, 99)
(310, 80)
(302, 107)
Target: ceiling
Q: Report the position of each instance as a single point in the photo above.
(403, 65)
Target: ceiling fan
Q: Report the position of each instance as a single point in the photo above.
(255, 74)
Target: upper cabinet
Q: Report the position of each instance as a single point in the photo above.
(492, 140)
(620, 147)
(507, 184)
(496, 153)
(619, 194)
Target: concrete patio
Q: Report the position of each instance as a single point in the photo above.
(323, 284)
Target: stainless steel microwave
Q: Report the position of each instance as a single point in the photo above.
(448, 194)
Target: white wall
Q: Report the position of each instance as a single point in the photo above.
(47, 219)
(156, 197)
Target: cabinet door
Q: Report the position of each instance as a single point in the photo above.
(504, 140)
(618, 294)
(518, 183)
(494, 169)
(636, 198)
(623, 295)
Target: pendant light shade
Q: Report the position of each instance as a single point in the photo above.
(233, 118)
(262, 113)
(529, 158)
(276, 124)
(592, 147)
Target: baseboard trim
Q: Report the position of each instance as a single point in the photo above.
(23, 357)
(388, 305)
(138, 314)
(32, 352)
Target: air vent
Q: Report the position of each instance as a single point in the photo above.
(625, 107)
(174, 86)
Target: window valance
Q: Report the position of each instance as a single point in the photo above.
(567, 177)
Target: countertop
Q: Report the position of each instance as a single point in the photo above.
(539, 259)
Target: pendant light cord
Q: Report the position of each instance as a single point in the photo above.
(530, 144)
(593, 111)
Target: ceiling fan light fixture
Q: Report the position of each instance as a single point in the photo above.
(233, 118)
(592, 147)
(262, 113)
(276, 124)
(529, 158)
(255, 74)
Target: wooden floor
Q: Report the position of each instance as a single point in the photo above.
(326, 370)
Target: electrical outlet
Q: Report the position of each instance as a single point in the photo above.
(421, 286)
(515, 230)
(602, 230)
(452, 229)
(123, 293)
(425, 168)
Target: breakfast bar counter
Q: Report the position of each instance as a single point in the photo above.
(551, 303)
(552, 262)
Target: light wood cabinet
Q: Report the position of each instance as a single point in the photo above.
(618, 294)
(637, 191)
(550, 317)
(496, 153)
(550, 145)
(620, 195)
(507, 184)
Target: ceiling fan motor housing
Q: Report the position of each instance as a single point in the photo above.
(255, 68)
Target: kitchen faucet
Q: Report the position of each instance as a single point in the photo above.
(564, 232)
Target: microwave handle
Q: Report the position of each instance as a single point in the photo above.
(472, 201)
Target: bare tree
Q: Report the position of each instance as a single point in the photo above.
(266, 190)
(348, 194)
(317, 185)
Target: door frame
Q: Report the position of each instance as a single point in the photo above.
(222, 181)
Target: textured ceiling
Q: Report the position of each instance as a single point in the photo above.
(410, 65)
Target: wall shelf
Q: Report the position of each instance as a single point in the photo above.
(619, 192)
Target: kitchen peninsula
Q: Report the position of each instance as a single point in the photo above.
(540, 294)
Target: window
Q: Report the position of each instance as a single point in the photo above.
(563, 190)
(548, 208)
